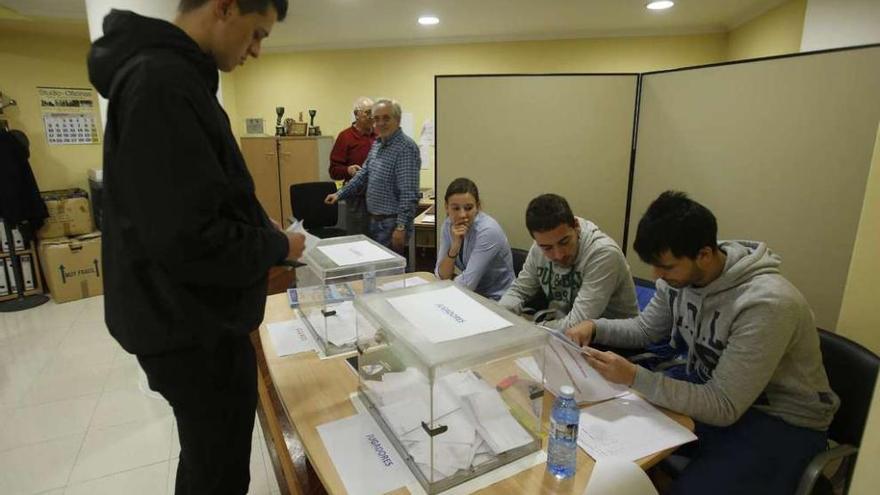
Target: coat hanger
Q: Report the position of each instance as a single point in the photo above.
(6, 101)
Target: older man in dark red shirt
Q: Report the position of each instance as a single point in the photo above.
(348, 156)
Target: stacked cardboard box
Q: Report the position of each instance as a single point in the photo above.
(70, 248)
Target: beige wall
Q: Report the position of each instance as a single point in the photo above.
(329, 81)
(30, 60)
(776, 32)
(859, 318)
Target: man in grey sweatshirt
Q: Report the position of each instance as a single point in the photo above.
(754, 380)
(581, 271)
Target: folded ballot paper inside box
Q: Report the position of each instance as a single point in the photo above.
(454, 405)
(335, 271)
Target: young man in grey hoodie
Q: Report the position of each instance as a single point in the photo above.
(581, 271)
(754, 380)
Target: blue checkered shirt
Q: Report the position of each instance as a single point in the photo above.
(391, 172)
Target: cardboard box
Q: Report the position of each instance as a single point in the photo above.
(69, 214)
(72, 266)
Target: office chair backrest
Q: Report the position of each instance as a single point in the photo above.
(645, 290)
(307, 204)
(852, 371)
(519, 258)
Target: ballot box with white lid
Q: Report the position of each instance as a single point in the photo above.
(335, 270)
(444, 377)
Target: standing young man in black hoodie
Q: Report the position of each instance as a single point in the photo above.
(187, 247)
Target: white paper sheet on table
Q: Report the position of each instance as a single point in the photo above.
(290, 337)
(447, 314)
(429, 218)
(365, 460)
(619, 477)
(352, 253)
(628, 428)
(400, 284)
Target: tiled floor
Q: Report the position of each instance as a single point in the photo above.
(73, 419)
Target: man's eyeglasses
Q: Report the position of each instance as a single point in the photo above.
(382, 118)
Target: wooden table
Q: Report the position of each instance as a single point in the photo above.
(310, 391)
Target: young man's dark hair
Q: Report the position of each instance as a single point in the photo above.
(548, 211)
(245, 6)
(675, 223)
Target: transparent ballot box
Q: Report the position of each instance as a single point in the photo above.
(335, 270)
(452, 378)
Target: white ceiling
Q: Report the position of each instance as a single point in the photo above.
(324, 24)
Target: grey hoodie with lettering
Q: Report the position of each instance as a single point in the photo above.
(749, 334)
(598, 285)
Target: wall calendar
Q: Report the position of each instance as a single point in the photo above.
(70, 115)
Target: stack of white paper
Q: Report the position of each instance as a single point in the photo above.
(353, 253)
(628, 428)
(479, 424)
(447, 314)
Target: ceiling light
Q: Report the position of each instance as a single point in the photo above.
(428, 20)
(659, 4)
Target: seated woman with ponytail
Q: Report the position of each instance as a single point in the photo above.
(473, 244)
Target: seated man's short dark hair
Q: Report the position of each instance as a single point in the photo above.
(548, 211)
(244, 6)
(677, 224)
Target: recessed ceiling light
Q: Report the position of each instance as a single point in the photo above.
(659, 4)
(428, 20)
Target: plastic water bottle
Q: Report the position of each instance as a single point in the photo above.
(562, 448)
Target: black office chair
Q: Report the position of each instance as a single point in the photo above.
(538, 302)
(519, 259)
(852, 371)
(307, 204)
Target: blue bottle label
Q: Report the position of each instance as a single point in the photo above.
(563, 431)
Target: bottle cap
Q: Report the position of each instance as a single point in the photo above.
(566, 390)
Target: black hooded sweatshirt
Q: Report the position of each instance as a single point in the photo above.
(186, 246)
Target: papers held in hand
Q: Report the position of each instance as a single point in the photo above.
(564, 364)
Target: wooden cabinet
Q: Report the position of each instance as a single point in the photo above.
(277, 162)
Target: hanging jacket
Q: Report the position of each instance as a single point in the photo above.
(20, 202)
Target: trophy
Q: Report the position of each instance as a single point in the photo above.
(313, 129)
(279, 129)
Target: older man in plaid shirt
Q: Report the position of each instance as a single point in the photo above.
(391, 173)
